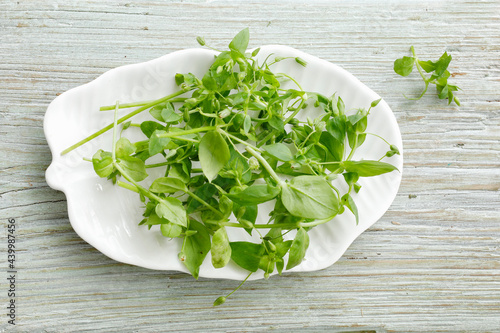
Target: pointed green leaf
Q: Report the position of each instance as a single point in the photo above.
(280, 151)
(157, 144)
(195, 247)
(368, 168)
(169, 115)
(133, 167)
(172, 210)
(240, 41)
(298, 248)
(255, 194)
(213, 153)
(309, 197)
(348, 201)
(168, 185)
(247, 255)
(221, 250)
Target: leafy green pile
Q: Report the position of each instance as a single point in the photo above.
(234, 143)
(439, 77)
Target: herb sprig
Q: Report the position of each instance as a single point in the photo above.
(439, 77)
(230, 141)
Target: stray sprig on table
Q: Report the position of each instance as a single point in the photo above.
(439, 77)
(230, 141)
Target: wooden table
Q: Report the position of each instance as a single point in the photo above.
(432, 263)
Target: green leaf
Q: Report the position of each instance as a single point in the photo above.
(124, 148)
(221, 250)
(170, 230)
(337, 127)
(157, 144)
(213, 153)
(154, 219)
(255, 194)
(195, 247)
(350, 178)
(298, 248)
(225, 206)
(205, 192)
(334, 147)
(102, 162)
(238, 121)
(168, 185)
(148, 127)
(209, 82)
(442, 64)
(428, 66)
(309, 197)
(169, 115)
(368, 168)
(247, 255)
(172, 210)
(133, 167)
(181, 170)
(280, 151)
(404, 66)
(348, 201)
(156, 111)
(240, 41)
(266, 263)
(247, 124)
(277, 123)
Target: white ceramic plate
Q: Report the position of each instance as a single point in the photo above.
(107, 216)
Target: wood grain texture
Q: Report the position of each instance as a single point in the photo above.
(432, 263)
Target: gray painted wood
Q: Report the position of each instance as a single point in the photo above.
(432, 263)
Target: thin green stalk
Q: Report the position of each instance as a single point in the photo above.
(315, 223)
(128, 186)
(121, 120)
(113, 148)
(378, 136)
(157, 165)
(242, 282)
(266, 165)
(144, 191)
(222, 299)
(136, 104)
(187, 139)
(190, 131)
(203, 202)
(328, 163)
(353, 149)
(239, 140)
(291, 78)
(256, 226)
(420, 71)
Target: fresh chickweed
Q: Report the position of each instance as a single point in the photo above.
(240, 122)
(439, 74)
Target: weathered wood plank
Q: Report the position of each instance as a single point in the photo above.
(432, 263)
